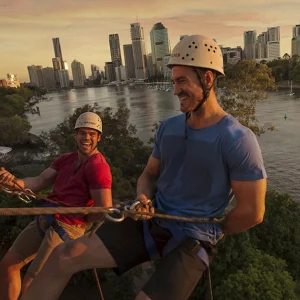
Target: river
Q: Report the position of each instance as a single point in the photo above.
(281, 148)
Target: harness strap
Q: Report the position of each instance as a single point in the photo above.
(178, 236)
(150, 243)
(51, 221)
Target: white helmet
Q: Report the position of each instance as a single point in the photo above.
(89, 120)
(197, 51)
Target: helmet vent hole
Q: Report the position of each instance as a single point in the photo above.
(196, 47)
(182, 57)
(192, 59)
(211, 46)
(208, 49)
(211, 62)
(193, 43)
(190, 46)
(187, 55)
(214, 51)
(205, 45)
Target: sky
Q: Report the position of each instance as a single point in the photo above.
(83, 26)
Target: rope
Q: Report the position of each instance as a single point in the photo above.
(28, 194)
(83, 210)
(89, 210)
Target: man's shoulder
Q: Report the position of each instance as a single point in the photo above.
(68, 155)
(97, 159)
(173, 121)
(233, 130)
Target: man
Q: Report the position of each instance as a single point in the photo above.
(200, 159)
(80, 178)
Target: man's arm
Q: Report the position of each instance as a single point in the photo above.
(250, 208)
(146, 183)
(146, 186)
(102, 198)
(38, 183)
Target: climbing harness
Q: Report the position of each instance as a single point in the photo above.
(112, 214)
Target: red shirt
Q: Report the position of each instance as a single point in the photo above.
(73, 187)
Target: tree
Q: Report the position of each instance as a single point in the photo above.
(295, 72)
(244, 85)
(14, 131)
(260, 276)
(279, 233)
(11, 105)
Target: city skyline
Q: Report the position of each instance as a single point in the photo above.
(27, 29)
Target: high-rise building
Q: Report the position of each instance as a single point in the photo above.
(95, 71)
(273, 43)
(49, 78)
(249, 44)
(57, 65)
(66, 66)
(12, 80)
(273, 50)
(232, 55)
(57, 50)
(78, 73)
(267, 45)
(296, 30)
(296, 45)
(167, 71)
(36, 75)
(129, 61)
(120, 73)
(273, 34)
(139, 50)
(115, 50)
(64, 79)
(109, 71)
(261, 45)
(150, 68)
(160, 46)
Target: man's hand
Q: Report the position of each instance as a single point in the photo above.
(6, 177)
(145, 206)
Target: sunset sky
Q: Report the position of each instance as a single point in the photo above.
(83, 26)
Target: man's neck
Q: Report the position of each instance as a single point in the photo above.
(82, 158)
(206, 116)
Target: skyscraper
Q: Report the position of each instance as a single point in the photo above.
(95, 71)
(159, 46)
(296, 30)
(295, 45)
(57, 50)
(249, 44)
(139, 50)
(109, 71)
(115, 50)
(129, 61)
(296, 41)
(261, 45)
(36, 75)
(64, 79)
(78, 73)
(57, 66)
(49, 79)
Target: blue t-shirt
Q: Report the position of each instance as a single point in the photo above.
(197, 166)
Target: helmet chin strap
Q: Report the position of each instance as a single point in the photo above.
(206, 91)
